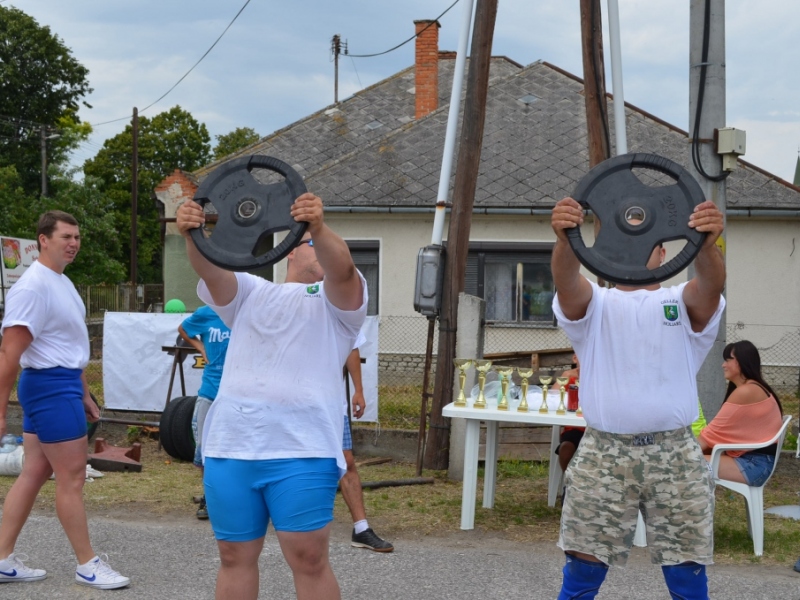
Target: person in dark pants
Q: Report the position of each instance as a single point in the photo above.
(206, 333)
(363, 536)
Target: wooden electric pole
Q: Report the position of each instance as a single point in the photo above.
(437, 451)
(134, 200)
(594, 82)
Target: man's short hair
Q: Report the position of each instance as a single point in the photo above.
(48, 222)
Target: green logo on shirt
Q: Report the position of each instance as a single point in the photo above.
(312, 289)
(671, 312)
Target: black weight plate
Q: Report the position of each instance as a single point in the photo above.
(617, 196)
(248, 211)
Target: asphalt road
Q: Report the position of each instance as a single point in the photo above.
(169, 558)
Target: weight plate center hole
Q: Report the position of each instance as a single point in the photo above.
(635, 216)
(247, 209)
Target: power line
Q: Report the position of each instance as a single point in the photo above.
(408, 40)
(187, 72)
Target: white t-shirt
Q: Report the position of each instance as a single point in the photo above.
(281, 388)
(639, 358)
(49, 306)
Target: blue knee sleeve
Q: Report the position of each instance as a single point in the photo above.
(582, 579)
(687, 581)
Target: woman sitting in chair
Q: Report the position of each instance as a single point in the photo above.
(750, 414)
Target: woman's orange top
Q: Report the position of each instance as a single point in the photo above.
(743, 424)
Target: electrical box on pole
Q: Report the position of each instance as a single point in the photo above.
(428, 286)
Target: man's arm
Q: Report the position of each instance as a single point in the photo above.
(91, 409)
(16, 340)
(573, 289)
(193, 342)
(353, 366)
(701, 295)
(342, 283)
(222, 284)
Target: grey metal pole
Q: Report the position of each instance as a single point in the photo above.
(710, 381)
(43, 140)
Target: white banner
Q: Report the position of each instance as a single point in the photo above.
(136, 371)
(18, 255)
(369, 370)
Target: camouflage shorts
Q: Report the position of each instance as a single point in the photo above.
(663, 474)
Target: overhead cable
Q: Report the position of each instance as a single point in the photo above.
(185, 74)
(408, 40)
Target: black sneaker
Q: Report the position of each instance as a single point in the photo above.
(368, 539)
(202, 511)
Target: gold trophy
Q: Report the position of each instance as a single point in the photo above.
(579, 412)
(562, 382)
(482, 366)
(545, 380)
(505, 377)
(523, 394)
(462, 364)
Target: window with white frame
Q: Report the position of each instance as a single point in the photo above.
(514, 279)
(366, 255)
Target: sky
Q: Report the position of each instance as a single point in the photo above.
(274, 65)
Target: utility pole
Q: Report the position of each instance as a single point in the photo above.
(43, 137)
(437, 451)
(707, 22)
(134, 200)
(336, 48)
(594, 82)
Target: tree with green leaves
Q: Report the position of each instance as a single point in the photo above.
(229, 143)
(170, 140)
(95, 263)
(40, 83)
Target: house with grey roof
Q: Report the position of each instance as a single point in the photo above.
(375, 160)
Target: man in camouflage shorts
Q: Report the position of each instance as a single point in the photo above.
(640, 350)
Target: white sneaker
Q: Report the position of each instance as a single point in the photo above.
(99, 574)
(12, 569)
(92, 473)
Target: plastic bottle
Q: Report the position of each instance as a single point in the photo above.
(8, 443)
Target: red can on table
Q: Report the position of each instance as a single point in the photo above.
(572, 398)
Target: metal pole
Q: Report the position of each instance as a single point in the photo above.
(43, 140)
(452, 124)
(134, 203)
(616, 77)
(336, 49)
(710, 381)
(469, 156)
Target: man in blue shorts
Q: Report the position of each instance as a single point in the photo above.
(640, 348)
(206, 333)
(44, 332)
(272, 443)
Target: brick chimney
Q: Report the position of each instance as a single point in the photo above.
(426, 67)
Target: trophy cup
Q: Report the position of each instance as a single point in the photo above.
(562, 383)
(462, 364)
(545, 380)
(505, 377)
(482, 366)
(578, 412)
(523, 398)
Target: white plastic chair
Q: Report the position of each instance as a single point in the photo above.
(754, 496)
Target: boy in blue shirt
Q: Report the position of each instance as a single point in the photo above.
(206, 332)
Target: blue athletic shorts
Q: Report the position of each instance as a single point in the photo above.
(347, 440)
(243, 496)
(52, 404)
(756, 468)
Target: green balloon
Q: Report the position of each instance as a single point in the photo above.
(175, 306)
